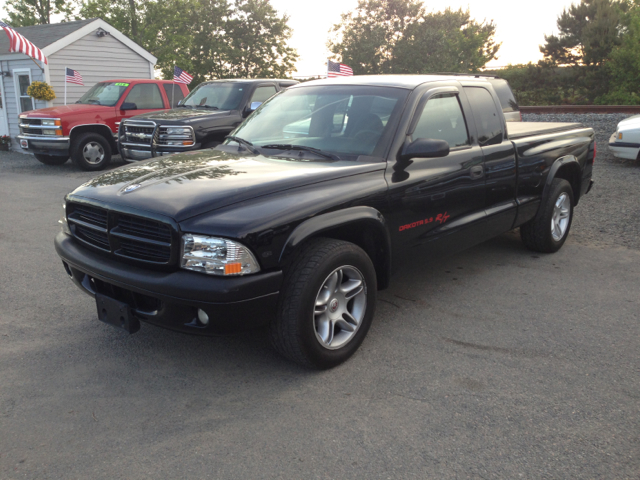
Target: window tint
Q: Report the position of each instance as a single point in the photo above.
(505, 95)
(263, 93)
(442, 119)
(145, 95)
(488, 121)
(174, 93)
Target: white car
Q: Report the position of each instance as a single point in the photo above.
(625, 142)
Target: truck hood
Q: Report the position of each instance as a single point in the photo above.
(189, 184)
(182, 114)
(62, 110)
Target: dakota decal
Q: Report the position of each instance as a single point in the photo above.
(440, 218)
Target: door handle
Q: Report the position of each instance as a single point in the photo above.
(476, 172)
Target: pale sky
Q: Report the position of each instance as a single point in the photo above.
(521, 26)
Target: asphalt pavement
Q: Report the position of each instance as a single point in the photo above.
(494, 363)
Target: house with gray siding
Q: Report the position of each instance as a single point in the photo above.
(94, 48)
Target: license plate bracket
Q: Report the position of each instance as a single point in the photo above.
(116, 313)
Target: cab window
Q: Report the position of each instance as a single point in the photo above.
(485, 114)
(145, 96)
(442, 119)
(263, 93)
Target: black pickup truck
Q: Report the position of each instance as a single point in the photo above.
(315, 200)
(202, 119)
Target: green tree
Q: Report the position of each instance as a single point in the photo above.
(588, 32)
(24, 13)
(624, 65)
(383, 36)
(207, 38)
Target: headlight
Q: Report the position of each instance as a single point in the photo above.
(63, 221)
(178, 131)
(216, 256)
(51, 123)
(51, 132)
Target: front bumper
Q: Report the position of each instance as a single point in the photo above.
(623, 149)
(57, 146)
(172, 299)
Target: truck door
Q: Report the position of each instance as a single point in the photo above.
(146, 97)
(499, 160)
(438, 198)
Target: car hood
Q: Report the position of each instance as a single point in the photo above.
(189, 184)
(62, 110)
(182, 114)
(629, 123)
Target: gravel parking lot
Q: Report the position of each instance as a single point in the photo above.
(494, 363)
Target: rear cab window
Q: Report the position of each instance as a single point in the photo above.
(485, 115)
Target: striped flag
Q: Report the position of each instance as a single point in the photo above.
(73, 76)
(20, 44)
(338, 70)
(180, 76)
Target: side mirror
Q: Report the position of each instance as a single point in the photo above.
(180, 102)
(251, 108)
(128, 106)
(424, 148)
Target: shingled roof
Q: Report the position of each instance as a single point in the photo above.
(43, 35)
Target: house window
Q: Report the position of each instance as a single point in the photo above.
(23, 80)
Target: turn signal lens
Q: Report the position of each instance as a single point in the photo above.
(59, 132)
(232, 268)
(187, 142)
(620, 136)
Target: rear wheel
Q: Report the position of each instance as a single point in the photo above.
(91, 151)
(51, 159)
(548, 231)
(326, 305)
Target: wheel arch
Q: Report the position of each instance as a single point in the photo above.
(362, 226)
(99, 128)
(567, 168)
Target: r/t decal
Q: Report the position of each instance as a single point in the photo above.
(440, 218)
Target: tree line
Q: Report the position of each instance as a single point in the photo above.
(594, 58)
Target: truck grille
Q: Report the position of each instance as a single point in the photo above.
(138, 132)
(122, 235)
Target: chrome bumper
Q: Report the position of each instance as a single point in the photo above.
(44, 143)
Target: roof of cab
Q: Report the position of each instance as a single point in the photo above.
(398, 81)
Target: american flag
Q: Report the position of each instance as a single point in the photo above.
(20, 44)
(73, 76)
(180, 76)
(338, 70)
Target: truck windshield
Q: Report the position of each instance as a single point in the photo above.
(222, 96)
(344, 121)
(104, 93)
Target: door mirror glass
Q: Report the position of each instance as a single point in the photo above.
(129, 106)
(424, 148)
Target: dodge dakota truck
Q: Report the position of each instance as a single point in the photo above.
(86, 130)
(202, 120)
(312, 204)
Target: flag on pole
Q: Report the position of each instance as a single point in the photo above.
(180, 76)
(73, 76)
(20, 44)
(338, 70)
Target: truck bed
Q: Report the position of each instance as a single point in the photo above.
(517, 130)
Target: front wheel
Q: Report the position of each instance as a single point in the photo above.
(548, 231)
(51, 159)
(91, 151)
(326, 304)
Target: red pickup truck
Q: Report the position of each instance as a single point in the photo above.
(86, 130)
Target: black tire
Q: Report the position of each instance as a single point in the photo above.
(538, 234)
(91, 151)
(51, 159)
(293, 331)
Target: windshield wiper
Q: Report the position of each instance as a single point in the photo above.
(303, 148)
(208, 106)
(245, 143)
(184, 106)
